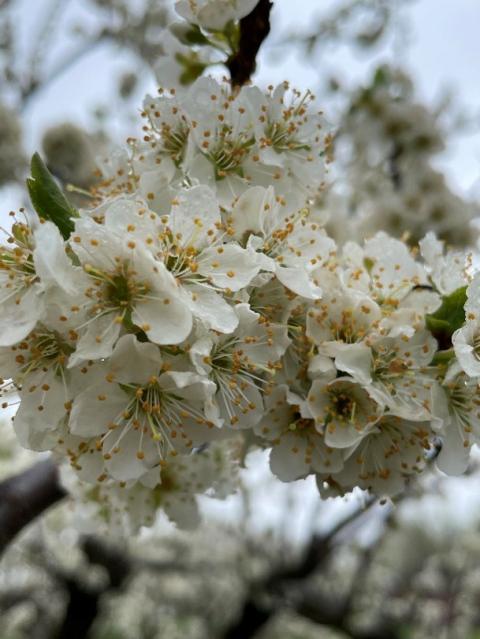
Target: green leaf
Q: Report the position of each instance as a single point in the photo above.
(189, 35)
(449, 317)
(48, 199)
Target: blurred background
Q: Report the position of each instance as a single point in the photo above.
(398, 81)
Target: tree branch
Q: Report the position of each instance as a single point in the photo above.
(254, 28)
(258, 609)
(25, 496)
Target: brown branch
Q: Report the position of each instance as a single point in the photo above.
(254, 28)
(319, 549)
(258, 609)
(25, 496)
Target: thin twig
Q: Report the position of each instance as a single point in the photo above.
(256, 614)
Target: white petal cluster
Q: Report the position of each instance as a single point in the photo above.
(123, 507)
(386, 146)
(230, 142)
(200, 301)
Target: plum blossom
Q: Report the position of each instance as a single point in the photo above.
(298, 447)
(140, 414)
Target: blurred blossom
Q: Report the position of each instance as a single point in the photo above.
(12, 158)
(385, 146)
(70, 154)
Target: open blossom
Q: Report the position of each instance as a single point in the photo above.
(241, 365)
(448, 270)
(140, 414)
(38, 369)
(291, 245)
(466, 343)
(343, 410)
(461, 420)
(20, 307)
(123, 282)
(291, 135)
(298, 444)
(391, 452)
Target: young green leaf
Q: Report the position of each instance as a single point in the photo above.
(449, 317)
(48, 199)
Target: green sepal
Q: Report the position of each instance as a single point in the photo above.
(192, 68)
(443, 357)
(229, 35)
(48, 199)
(449, 317)
(191, 35)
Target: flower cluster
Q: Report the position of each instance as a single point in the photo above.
(231, 141)
(199, 309)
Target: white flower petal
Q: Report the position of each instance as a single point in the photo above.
(454, 456)
(354, 359)
(195, 212)
(96, 408)
(52, 264)
(464, 343)
(19, 316)
(228, 267)
(212, 309)
(134, 362)
(287, 458)
(250, 210)
(298, 281)
(97, 341)
(164, 323)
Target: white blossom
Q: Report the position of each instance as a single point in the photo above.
(139, 414)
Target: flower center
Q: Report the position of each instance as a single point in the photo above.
(299, 424)
(42, 350)
(476, 346)
(17, 262)
(155, 414)
(229, 152)
(174, 140)
(118, 290)
(342, 407)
